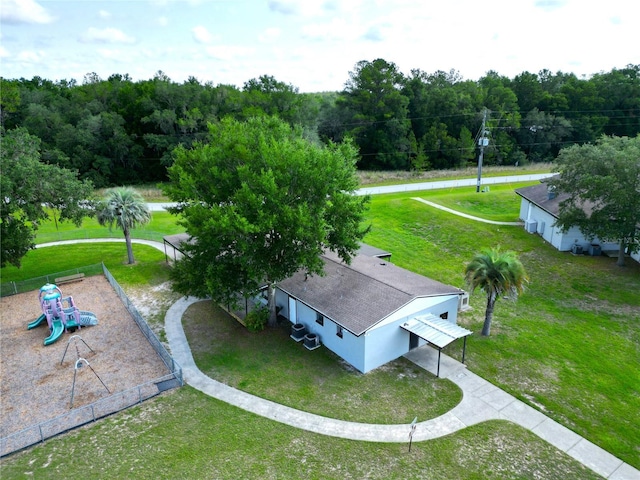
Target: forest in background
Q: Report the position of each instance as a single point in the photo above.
(119, 131)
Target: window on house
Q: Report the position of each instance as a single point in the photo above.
(319, 318)
(339, 331)
(444, 316)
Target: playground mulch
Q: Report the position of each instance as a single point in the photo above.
(35, 386)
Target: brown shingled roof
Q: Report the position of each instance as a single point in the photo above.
(539, 195)
(359, 295)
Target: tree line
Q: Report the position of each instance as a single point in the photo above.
(117, 131)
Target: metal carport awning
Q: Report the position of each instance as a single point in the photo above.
(175, 242)
(437, 332)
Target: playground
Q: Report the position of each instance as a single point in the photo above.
(37, 379)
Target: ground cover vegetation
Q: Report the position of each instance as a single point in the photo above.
(569, 348)
(185, 434)
(282, 370)
(116, 131)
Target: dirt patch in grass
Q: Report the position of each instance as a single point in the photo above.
(36, 387)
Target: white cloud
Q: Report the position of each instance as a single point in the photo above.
(4, 53)
(24, 11)
(162, 21)
(227, 52)
(270, 34)
(29, 56)
(202, 35)
(106, 35)
(104, 14)
(286, 7)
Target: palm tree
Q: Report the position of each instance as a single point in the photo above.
(125, 208)
(496, 273)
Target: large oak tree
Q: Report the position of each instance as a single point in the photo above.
(261, 202)
(31, 192)
(602, 182)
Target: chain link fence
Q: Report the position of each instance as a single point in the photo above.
(108, 405)
(13, 288)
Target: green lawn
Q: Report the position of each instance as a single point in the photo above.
(569, 347)
(282, 370)
(150, 267)
(501, 204)
(162, 223)
(186, 435)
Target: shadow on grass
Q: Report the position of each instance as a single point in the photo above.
(271, 365)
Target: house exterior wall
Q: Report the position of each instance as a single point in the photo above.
(384, 342)
(349, 347)
(387, 341)
(546, 228)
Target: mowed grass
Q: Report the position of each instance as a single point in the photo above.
(184, 434)
(570, 345)
(162, 223)
(271, 365)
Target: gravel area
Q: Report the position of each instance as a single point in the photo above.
(35, 386)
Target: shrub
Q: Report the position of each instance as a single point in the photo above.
(257, 318)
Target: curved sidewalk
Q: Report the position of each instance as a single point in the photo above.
(460, 214)
(481, 401)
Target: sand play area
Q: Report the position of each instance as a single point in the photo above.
(35, 386)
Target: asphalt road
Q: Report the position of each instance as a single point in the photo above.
(414, 187)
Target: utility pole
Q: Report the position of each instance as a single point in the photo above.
(483, 142)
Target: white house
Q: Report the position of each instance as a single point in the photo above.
(371, 312)
(539, 209)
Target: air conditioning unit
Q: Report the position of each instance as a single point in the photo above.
(576, 249)
(463, 302)
(531, 226)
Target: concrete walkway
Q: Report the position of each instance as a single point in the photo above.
(481, 401)
(460, 214)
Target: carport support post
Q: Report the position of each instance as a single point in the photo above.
(464, 348)
(438, 372)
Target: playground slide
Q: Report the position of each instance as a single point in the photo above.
(87, 318)
(56, 332)
(37, 322)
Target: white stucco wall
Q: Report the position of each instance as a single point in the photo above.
(386, 341)
(545, 227)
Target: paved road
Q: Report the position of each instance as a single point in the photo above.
(414, 187)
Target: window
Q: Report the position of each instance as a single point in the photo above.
(319, 318)
(339, 331)
(445, 315)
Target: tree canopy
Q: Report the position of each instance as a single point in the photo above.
(602, 182)
(31, 192)
(496, 273)
(260, 203)
(117, 131)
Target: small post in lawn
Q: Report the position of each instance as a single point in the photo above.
(412, 431)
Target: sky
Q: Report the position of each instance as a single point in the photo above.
(312, 45)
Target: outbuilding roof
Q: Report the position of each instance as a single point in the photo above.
(539, 195)
(547, 200)
(359, 295)
(436, 331)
